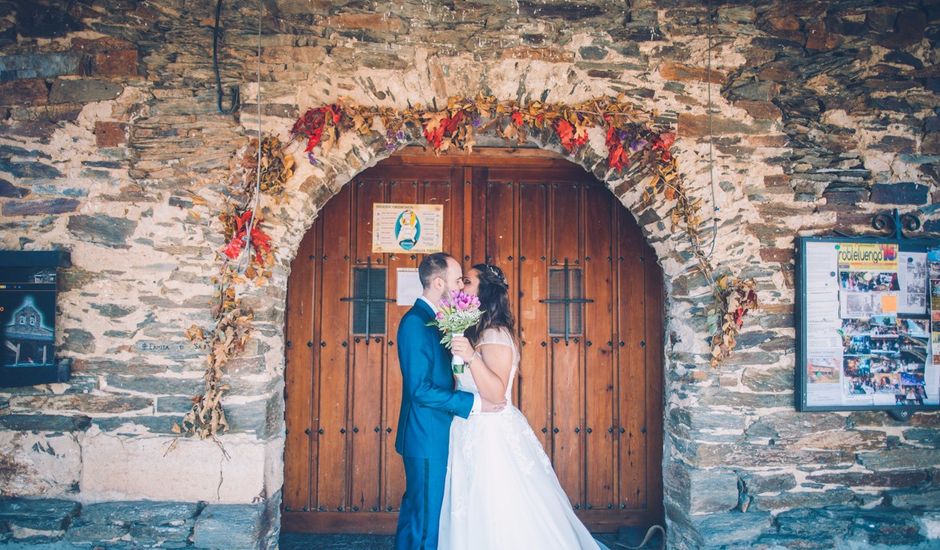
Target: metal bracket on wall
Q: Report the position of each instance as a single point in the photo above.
(896, 224)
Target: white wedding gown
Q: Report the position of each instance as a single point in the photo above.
(501, 491)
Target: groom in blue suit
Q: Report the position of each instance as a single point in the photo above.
(428, 404)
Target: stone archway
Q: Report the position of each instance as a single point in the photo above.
(323, 181)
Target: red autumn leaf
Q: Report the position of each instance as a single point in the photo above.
(259, 239)
(662, 143)
(570, 139)
(618, 157)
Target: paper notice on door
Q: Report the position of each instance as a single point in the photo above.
(409, 286)
(912, 277)
(821, 267)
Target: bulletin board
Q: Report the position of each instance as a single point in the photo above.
(868, 314)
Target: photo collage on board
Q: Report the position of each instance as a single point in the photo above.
(873, 314)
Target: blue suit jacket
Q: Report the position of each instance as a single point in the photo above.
(429, 401)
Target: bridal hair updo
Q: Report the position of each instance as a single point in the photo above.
(494, 301)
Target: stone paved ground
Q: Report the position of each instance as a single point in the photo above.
(304, 541)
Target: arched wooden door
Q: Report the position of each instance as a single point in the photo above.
(589, 309)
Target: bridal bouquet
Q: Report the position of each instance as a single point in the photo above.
(457, 313)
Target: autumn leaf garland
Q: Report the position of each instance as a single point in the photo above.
(457, 124)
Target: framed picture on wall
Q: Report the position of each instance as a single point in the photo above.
(28, 284)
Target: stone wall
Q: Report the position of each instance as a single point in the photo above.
(111, 147)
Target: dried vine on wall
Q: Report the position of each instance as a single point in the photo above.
(247, 256)
(630, 138)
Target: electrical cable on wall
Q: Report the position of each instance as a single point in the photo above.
(256, 196)
(711, 137)
(236, 99)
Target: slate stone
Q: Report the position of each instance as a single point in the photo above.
(143, 533)
(29, 169)
(712, 491)
(140, 511)
(899, 193)
(902, 457)
(114, 311)
(83, 91)
(102, 229)
(772, 379)
(228, 526)
(38, 207)
(248, 417)
(592, 53)
(79, 340)
(45, 423)
(802, 499)
(812, 523)
(887, 526)
(871, 479)
(922, 499)
(923, 436)
(770, 483)
(38, 65)
(732, 527)
(126, 425)
(39, 514)
(84, 532)
(570, 11)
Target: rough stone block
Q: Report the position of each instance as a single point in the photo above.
(8, 190)
(92, 534)
(40, 207)
(698, 126)
(39, 514)
(109, 133)
(115, 63)
(923, 498)
(140, 512)
(44, 423)
(83, 91)
(102, 229)
(732, 527)
(29, 92)
(901, 457)
(899, 193)
(29, 169)
(234, 526)
(712, 491)
(39, 65)
(195, 470)
(762, 110)
(769, 483)
(39, 463)
(773, 379)
(812, 522)
(924, 436)
(803, 499)
(682, 73)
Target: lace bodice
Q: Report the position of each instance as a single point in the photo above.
(497, 336)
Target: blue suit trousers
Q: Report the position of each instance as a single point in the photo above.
(419, 517)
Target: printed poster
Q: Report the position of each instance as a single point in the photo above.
(407, 228)
(869, 337)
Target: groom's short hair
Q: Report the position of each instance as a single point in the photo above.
(433, 265)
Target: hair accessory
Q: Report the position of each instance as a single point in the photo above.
(498, 273)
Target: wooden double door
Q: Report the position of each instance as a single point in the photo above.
(588, 299)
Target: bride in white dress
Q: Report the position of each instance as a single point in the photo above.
(501, 491)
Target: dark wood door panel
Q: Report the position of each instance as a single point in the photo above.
(593, 399)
